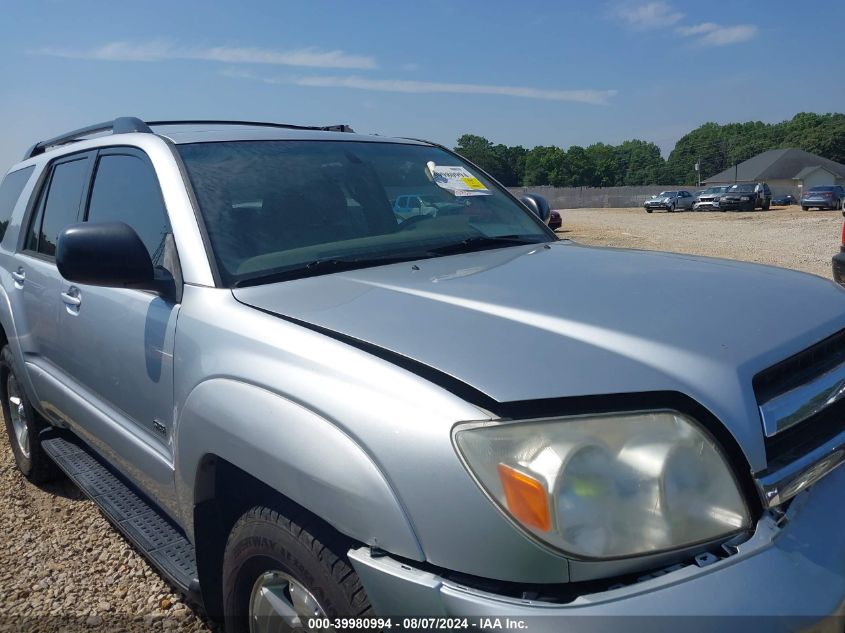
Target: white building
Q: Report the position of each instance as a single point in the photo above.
(788, 171)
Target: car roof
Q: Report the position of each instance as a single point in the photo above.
(234, 133)
(130, 130)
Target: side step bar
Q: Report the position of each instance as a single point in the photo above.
(155, 536)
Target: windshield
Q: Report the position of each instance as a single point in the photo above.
(285, 209)
(716, 190)
(822, 188)
(666, 194)
(742, 188)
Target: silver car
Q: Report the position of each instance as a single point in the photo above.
(709, 198)
(670, 201)
(309, 416)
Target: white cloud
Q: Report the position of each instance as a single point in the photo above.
(599, 97)
(712, 34)
(698, 29)
(652, 15)
(410, 67)
(159, 50)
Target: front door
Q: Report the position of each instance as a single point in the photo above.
(120, 341)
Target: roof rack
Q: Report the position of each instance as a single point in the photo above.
(126, 125)
(121, 125)
(288, 126)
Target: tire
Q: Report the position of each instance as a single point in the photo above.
(264, 541)
(648, 210)
(767, 206)
(23, 429)
(805, 208)
(671, 209)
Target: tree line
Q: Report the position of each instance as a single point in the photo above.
(715, 147)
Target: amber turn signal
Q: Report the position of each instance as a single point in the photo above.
(526, 498)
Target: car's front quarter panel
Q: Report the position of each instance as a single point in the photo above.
(259, 392)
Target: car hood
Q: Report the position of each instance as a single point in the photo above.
(561, 320)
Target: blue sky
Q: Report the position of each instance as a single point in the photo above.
(530, 72)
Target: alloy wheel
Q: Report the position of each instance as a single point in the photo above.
(279, 603)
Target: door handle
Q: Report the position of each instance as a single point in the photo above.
(72, 298)
(19, 276)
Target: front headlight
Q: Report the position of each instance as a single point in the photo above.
(607, 486)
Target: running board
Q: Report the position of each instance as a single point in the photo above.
(155, 536)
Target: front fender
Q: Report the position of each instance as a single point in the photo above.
(295, 452)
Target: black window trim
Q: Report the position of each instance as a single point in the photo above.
(39, 192)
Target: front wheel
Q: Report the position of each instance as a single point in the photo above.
(23, 425)
(277, 574)
(671, 209)
(805, 208)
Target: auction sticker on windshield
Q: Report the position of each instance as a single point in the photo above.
(457, 180)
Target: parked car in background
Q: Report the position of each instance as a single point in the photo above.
(407, 206)
(747, 196)
(670, 201)
(709, 198)
(823, 197)
(555, 221)
(784, 201)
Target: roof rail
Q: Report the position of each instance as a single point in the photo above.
(127, 124)
(121, 125)
(342, 127)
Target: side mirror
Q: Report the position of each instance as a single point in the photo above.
(105, 254)
(537, 205)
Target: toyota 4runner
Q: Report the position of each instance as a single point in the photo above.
(298, 406)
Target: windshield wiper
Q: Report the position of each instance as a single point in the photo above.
(481, 242)
(325, 265)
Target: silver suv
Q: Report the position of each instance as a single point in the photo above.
(298, 407)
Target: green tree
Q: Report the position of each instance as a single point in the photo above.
(605, 165)
(581, 167)
(480, 151)
(715, 147)
(512, 164)
(640, 163)
(545, 165)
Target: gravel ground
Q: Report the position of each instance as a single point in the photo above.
(788, 237)
(63, 567)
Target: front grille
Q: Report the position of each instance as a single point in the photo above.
(787, 446)
(801, 368)
(801, 438)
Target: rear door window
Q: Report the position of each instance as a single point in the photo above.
(10, 191)
(59, 204)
